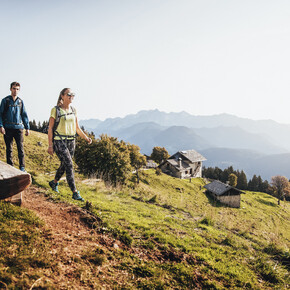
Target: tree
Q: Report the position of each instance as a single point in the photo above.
(44, 127)
(233, 179)
(33, 125)
(217, 173)
(265, 186)
(280, 186)
(106, 157)
(254, 183)
(137, 159)
(209, 172)
(242, 181)
(159, 154)
(224, 175)
(260, 183)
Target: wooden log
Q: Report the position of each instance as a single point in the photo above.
(12, 180)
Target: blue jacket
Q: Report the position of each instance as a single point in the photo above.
(13, 114)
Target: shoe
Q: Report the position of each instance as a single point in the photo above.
(76, 196)
(53, 186)
(23, 169)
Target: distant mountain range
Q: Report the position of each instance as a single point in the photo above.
(258, 147)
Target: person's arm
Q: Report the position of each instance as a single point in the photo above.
(25, 119)
(81, 133)
(50, 135)
(2, 130)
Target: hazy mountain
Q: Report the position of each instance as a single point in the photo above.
(227, 156)
(250, 161)
(161, 118)
(148, 135)
(174, 138)
(90, 124)
(142, 134)
(178, 138)
(275, 133)
(278, 164)
(235, 137)
(254, 146)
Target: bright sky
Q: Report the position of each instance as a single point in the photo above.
(122, 56)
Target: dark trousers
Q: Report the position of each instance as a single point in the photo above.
(16, 134)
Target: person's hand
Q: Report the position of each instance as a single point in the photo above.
(26, 132)
(2, 130)
(50, 150)
(89, 140)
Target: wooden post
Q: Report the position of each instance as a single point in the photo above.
(12, 183)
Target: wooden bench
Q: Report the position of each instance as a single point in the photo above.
(12, 183)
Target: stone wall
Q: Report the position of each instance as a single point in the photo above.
(230, 200)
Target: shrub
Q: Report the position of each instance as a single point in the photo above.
(106, 158)
(207, 221)
(158, 171)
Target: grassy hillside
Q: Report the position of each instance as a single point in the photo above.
(172, 234)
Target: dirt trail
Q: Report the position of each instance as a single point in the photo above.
(70, 238)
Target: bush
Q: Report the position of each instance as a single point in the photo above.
(207, 221)
(106, 158)
(158, 171)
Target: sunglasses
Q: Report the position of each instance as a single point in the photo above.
(71, 95)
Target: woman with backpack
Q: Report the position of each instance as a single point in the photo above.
(63, 127)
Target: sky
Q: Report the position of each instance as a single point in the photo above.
(204, 57)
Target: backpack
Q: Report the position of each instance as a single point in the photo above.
(7, 105)
(57, 120)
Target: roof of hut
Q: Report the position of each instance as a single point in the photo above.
(219, 188)
(175, 163)
(191, 155)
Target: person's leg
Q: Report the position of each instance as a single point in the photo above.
(60, 171)
(8, 138)
(18, 136)
(70, 173)
(65, 157)
(58, 149)
(71, 145)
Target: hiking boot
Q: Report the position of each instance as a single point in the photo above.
(23, 169)
(76, 196)
(53, 186)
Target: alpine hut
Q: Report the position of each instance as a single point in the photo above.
(225, 193)
(183, 164)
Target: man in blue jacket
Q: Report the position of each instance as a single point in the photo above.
(13, 119)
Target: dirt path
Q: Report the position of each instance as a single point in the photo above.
(70, 238)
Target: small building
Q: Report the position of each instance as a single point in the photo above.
(150, 163)
(225, 193)
(183, 164)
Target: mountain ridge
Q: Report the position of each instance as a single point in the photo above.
(183, 131)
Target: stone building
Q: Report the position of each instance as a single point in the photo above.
(225, 193)
(183, 164)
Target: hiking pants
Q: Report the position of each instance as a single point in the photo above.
(16, 134)
(65, 151)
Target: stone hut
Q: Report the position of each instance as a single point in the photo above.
(149, 162)
(183, 164)
(225, 193)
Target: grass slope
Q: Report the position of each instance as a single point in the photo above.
(173, 235)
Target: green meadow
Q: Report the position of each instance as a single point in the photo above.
(173, 235)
